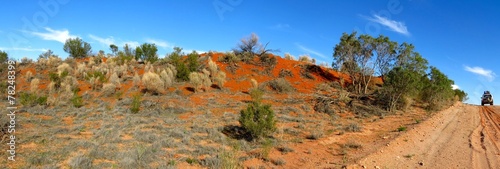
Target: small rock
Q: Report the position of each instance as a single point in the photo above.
(377, 167)
(421, 163)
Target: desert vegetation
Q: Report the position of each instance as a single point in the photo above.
(244, 108)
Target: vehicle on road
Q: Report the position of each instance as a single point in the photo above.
(487, 98)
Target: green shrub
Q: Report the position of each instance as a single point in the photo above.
(28, 99)
(182, 72)
(193, 63)
(191, 161)
(229, 57)
(77, 100)
(258, 119)
(97, 75)
(136, 103)
(57, 78)
(402, 128)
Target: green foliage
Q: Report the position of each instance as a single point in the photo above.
(47, 54)
(128, 52)
(138, 53)
(77, 100)
(113, 48)
(258, 119)
(136, 103)
(193, 63)
(182, 72)
(31, 99)
(437, 90)
(402, 128)
(404, 71)
(147, 52)
(3, 56)
(57, 78)
(97, 75)
(121, 58)
(175, 58)
(462, 96)
(398, 83)
(77, 48)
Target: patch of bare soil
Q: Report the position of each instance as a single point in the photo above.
(463, 136)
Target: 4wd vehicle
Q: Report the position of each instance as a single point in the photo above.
(487, 98)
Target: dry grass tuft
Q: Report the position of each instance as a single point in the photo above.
(136, 80)
(115, 80)
(29, 76)
(34, 85)
(288, 56)
(64, 68)
(152, 82)
(108, 89)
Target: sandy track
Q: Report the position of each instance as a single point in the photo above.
(463, 136)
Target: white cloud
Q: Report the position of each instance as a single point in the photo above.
(160, 43)
(488, 74)
(391, 24)
(310, 51)
(454, 86)
(105, 41)
(111, 40)
(131, 44)
(27, 49)
(281, 27)
(55, 35)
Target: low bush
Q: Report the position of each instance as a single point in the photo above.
(31, 99)
(108, 89)
(77, 100)
(281, 85)
(353, 127)
(229, 57)
(152, 82)
(258, 119)
(136, 103)
(34, 85)
(285, 73)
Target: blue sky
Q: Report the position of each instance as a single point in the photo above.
(458, 37)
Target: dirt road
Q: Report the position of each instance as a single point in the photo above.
(463, 136)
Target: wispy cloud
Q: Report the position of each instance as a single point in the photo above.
(160, 43)
(104, 41)
(281, 27)
(132, 44)
(111, 40)
(454, 86)
(488, 74)
(310, 51)
(393, 25)
(55, 35)
(26, 49)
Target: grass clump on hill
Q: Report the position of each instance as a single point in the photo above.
(152, 82)
(77, 100)
(31, 99)
(281, 85)
(136, 103)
